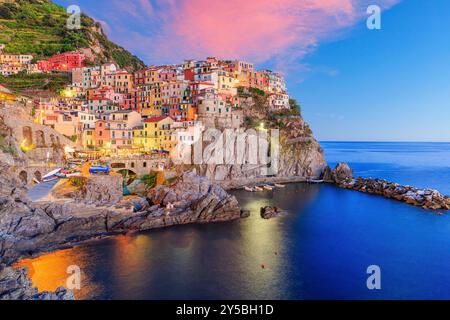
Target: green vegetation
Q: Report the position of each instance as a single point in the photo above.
(150, 179)
(72, 138)
(295, 107)
(6, 147)
(78, 182)
(256, 91)
(38, 27)
(38, 81)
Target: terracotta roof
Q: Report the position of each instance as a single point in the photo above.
(156, 119)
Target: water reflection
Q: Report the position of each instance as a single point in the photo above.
(48, 272)
(244, 259)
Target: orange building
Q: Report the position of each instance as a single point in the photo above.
(102, 134)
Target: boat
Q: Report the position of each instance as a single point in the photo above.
(259, 189)
(67, 174)
(314, 181)
(51, 176)
(99, 170)
(73, 174)
(268, 188)
(279, 185)
(249, 189)
(50, 179)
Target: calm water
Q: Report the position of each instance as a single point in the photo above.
(319, 250)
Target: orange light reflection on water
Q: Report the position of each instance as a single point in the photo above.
(49, 271)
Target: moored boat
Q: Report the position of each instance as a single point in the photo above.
(249, 189)
(268, 188)
(51, 176)
(259, 189)
(314, 181)
(279, 185)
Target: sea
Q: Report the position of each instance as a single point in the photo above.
(326, 246)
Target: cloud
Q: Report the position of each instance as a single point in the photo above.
(283, 31)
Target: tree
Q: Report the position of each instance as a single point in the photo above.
(5, 12)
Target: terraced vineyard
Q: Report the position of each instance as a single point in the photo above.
(39, 27)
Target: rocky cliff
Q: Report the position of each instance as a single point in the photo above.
(300, 155)
(27, 227)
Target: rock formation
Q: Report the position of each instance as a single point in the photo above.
(27, 227)
(96, 189)
(431, 199)
(270, 212)
(425, 198)
(342, 173)
(300, 155)
(16, 285)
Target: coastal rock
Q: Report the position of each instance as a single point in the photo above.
(99, 189)
(341, 174)
(16, 285)
(270, 212)
(326, 176)
(425, 198)
(245, 214)
(61, 293)
(28, 227)
(300, 156)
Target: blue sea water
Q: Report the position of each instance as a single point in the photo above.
(320, 249)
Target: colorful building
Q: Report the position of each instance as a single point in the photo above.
(156, 133)
(63, 62)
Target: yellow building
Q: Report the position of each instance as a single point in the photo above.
(157, 133)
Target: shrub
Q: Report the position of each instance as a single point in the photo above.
(295, 107)
(78, 182)
(150, 179)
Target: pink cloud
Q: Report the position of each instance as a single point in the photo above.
(257, 30)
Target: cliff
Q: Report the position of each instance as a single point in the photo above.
(300, 155)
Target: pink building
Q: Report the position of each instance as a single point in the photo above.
(63, 62)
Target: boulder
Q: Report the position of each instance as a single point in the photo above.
(245, 214)
(342, 173)
(270, 212)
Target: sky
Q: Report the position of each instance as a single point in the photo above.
(353, 84)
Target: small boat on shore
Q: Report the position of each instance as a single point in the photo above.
(259, 189)
(314, 181)
(51, 176)
(249, 189)
(268, 188)
(279, 185)
(65, 174)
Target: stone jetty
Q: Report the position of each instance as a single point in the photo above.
(431, 199)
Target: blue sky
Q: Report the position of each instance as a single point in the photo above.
(391, 84)
(353, 83)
